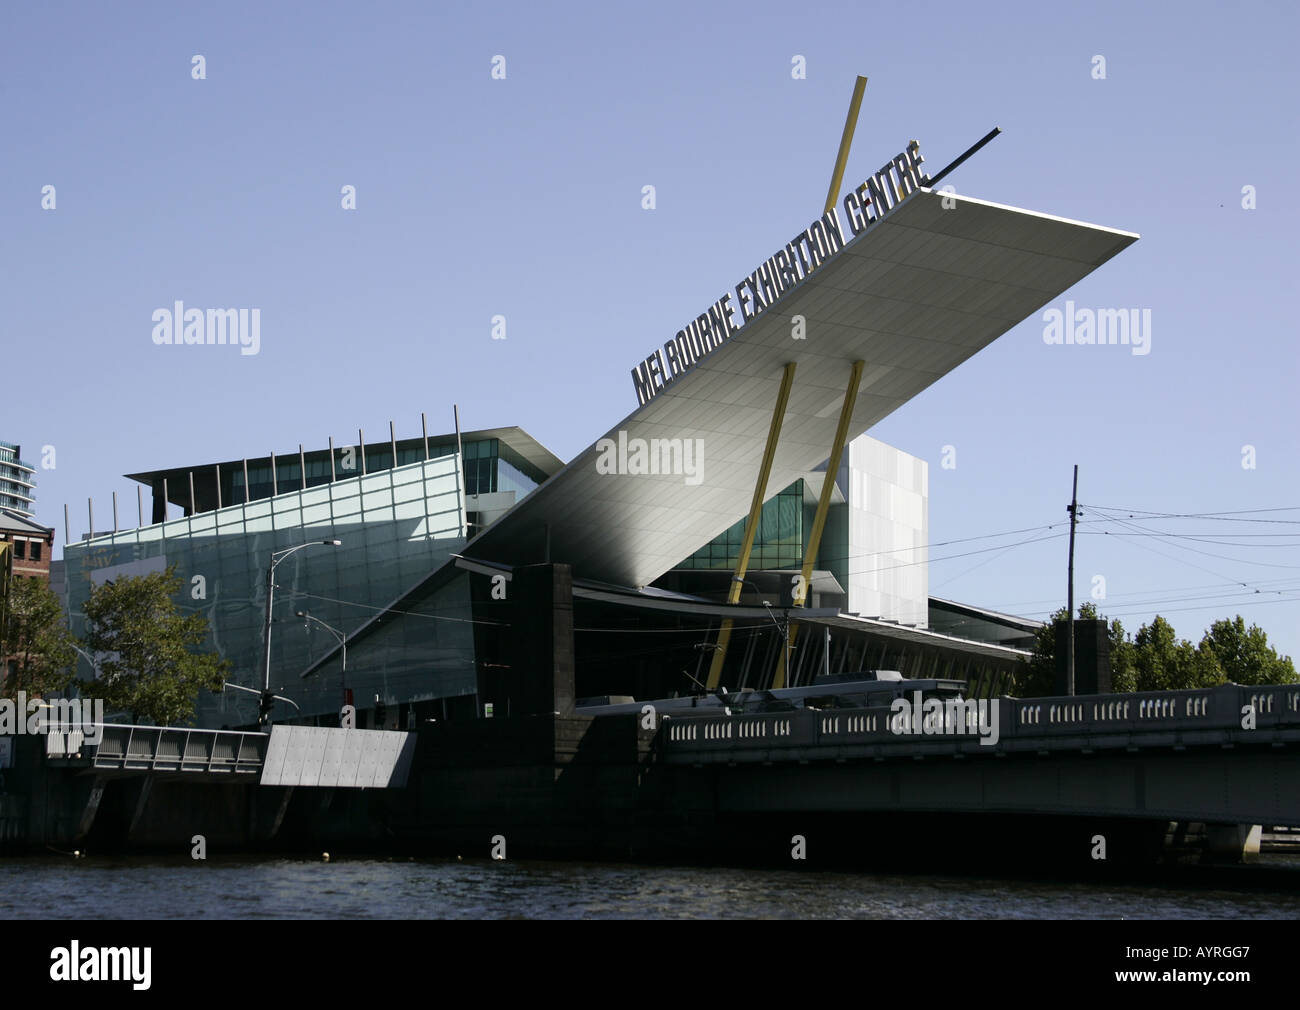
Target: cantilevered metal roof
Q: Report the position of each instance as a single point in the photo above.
(519, 442)
(516, 438)
(914, 295)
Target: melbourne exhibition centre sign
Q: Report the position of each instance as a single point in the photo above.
(793, 262)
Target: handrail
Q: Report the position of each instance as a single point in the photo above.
(170, 748)
(1223, 714)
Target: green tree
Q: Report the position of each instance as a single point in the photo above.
(1156, 656)
(1156, 659)
(1196, 668)
(1123, 673)
(36, 640)
(1164, 662)
(1037, 674)
(152, 668)
(1244, 655)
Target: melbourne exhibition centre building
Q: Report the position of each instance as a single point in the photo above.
(739, 528)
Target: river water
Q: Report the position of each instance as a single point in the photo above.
(370, 888)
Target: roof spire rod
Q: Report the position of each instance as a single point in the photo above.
(846, 141)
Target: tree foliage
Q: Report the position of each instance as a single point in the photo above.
(1155, 659)
(35, 640)
(1244, 655)
(151, 667)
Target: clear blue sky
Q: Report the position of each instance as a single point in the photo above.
(522, 198)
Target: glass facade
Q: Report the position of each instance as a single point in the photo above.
(779, 542)
(874, 543)
(490, 466)
(396, 526)
(422, 651)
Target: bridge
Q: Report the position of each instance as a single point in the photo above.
(1128, 765)
(1227, 756)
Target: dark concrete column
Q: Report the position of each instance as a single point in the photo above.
(541, 675)
(159, 503)
(1231, 843)
(1091, 657)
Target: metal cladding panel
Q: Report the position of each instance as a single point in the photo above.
(273, 763)
(369, 764)
(331, 769)
(295, 754)
(403, 752)
(402, 766)
(913, 296)
(337, 758)
(313, 757)
(390, 750)
(351, 763)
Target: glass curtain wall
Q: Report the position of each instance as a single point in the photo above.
(396, 526)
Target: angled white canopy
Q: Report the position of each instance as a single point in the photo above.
(913, 296)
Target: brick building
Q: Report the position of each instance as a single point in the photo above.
(25, 549)
(29, 545)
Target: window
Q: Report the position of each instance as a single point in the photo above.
(20, 549)
(36, 550)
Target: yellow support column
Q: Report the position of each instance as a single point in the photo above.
(850, 398)
(751, 524)
(823, 504)
(846, 141)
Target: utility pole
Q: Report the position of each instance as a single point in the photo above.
(1069, 606)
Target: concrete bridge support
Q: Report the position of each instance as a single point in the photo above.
(1231, 843)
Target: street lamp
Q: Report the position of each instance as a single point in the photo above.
(94, 667)
(343, 643)
(783, 628)
(276, 558)
(746, 582)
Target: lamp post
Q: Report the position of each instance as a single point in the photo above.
(783, 628)
(276, 558)
(94, 667)
(343, 643)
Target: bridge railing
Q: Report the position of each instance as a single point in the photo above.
(170, 749)
(805, 728)
(721, 732)
(1229, 711)
(1227, 707)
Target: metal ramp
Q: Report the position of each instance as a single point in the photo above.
(207, 752)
